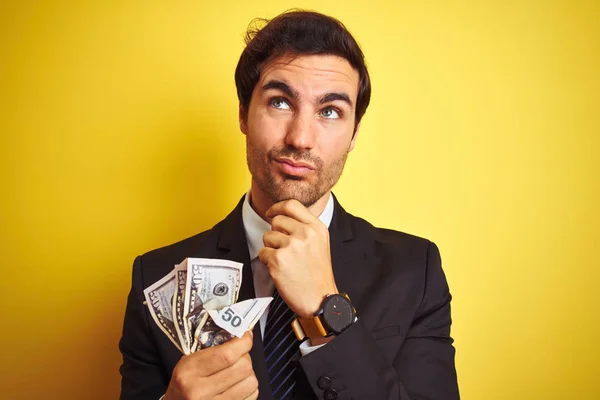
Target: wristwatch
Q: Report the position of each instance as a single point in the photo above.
(335, 315)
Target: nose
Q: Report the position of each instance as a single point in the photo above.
(301, 131)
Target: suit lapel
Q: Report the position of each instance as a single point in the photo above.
(233, 246)
(345, 254)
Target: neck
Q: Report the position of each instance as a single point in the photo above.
(261, 203)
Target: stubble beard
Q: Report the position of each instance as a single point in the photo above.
(279, 187)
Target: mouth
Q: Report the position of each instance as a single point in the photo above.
(295, 168)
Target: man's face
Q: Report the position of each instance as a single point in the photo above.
(300, 126)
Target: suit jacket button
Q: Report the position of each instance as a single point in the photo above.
(324, 382)
(330, 394)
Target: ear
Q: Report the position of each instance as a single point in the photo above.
(243, 119)
(353, 142)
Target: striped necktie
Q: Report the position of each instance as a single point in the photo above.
(280, 345)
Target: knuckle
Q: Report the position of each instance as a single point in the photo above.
(261, 253)
(182, 384)
(299, 241)
(278, 257)
(226, 357)
(294, 241)
(276, 221)
(266, 237)
(180, 374)
(304, 231)
(177, 380)
(266, 256)
(245, 366)
(288, 206)
(253, 382)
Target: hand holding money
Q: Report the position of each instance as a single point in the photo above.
(194, 305)
(224, 370)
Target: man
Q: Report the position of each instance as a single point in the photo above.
(303, 88)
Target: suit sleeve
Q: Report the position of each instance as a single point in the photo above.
(423, 369)
(142, 372)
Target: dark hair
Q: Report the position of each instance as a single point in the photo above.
(298, 32)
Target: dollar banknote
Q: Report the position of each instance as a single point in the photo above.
(214, 280)
(159, 298)
(181, 326)
(240, 317)
(209, 334)
(195, 304)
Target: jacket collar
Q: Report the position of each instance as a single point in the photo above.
(340, 229)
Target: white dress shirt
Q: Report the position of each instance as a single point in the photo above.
(255, 227)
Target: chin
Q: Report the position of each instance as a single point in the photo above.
(301, 191)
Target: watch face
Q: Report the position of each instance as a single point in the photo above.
(338, 313)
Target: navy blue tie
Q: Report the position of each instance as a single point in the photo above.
(281, 346)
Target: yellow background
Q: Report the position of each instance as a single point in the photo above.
(119, 134)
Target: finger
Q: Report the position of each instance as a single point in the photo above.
(240, 390)
(225, 379)
(292, 208)
(214, 359)
(266, 255)
(275, 239)
(285, 224)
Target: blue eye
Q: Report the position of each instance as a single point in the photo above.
(280, 104)
(330, 113)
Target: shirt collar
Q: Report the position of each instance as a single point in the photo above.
(255, 227)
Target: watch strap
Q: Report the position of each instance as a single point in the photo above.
(312, 327)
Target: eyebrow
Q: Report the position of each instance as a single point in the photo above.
(329, 97)
(294, 94)
(284, 87)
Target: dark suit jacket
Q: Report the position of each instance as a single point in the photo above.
(400, 347)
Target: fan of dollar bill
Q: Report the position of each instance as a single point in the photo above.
(195, 304)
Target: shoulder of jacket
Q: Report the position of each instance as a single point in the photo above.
(156, 263)
(386, 235)
(393, 236)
